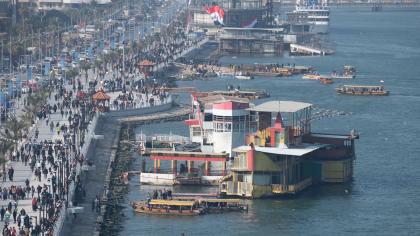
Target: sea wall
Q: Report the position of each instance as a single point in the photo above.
(96, 179)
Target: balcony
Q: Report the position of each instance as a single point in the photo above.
(239, 164)
(242, 189)
(291, 188)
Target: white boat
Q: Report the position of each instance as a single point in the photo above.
(318, 16)
(244, 77)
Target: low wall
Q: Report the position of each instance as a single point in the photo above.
(86, 150)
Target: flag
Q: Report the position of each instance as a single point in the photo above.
(62, 63)
(46, 68)
(18, 82)
(132, 35)
(29, 73)
(101, 45)
(90, 52)
(216, 14)
(10, 89)
(112, 43)
(2, 99)
(250, 24)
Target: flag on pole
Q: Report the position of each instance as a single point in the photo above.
(2, 100)
(90, 52)
(10, 89)
(46, 68)
(132, 35)
(29, 73)
(216, 14)
(112, 43)
(101, 45)
(18, 82)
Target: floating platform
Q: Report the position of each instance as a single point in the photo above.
(296, 49)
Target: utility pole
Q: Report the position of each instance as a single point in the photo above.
(39, 45)
(10, 54)
(2, 62)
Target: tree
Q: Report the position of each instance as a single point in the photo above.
(72, 73)
(34, 102)
(13, 132)
(85, 66)
(5, 146)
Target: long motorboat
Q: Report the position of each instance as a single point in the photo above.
(168, 207)
(364, 90)
(212, 205)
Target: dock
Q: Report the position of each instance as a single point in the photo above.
(177, 113)
(297, 49)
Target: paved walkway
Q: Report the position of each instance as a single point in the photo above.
(23, 172)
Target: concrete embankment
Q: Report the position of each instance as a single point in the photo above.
(102, 153)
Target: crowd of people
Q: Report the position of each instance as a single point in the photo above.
(54, 157)
(53, 164)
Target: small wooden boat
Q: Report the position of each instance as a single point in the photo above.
(325, 80)
(363, 90)
(349, 72)
(168, 207)
(212, 205)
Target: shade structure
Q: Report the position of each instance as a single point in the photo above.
(100, 96)
(146, 63)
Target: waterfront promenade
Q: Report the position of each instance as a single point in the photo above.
(23, 172)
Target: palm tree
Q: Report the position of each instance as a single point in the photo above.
(34, 102)
(14, 130)
(85, 66)
(5, 146)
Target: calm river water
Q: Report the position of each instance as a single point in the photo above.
(384, 197)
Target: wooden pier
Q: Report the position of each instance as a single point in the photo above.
(177, 113)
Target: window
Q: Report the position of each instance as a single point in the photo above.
(228, 127)
(208, 117)
(196, 131)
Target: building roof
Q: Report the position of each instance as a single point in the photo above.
(146, 63)
(100, 96)
(297, 151)
(280, 106)
(171, 202)
(209, 100)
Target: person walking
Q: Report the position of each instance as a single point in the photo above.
(14, 215)
(2, 212)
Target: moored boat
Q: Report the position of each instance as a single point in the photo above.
(312, 76)
(364, 90)
(325, 80)
(168, 207)
(349, 72)
(212, 205)
(244, 77)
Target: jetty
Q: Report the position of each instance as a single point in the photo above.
(176, 113)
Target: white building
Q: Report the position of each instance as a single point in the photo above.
(220, 123)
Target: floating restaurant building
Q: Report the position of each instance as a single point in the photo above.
(286, 157)
(248, 155)
(218, 123)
